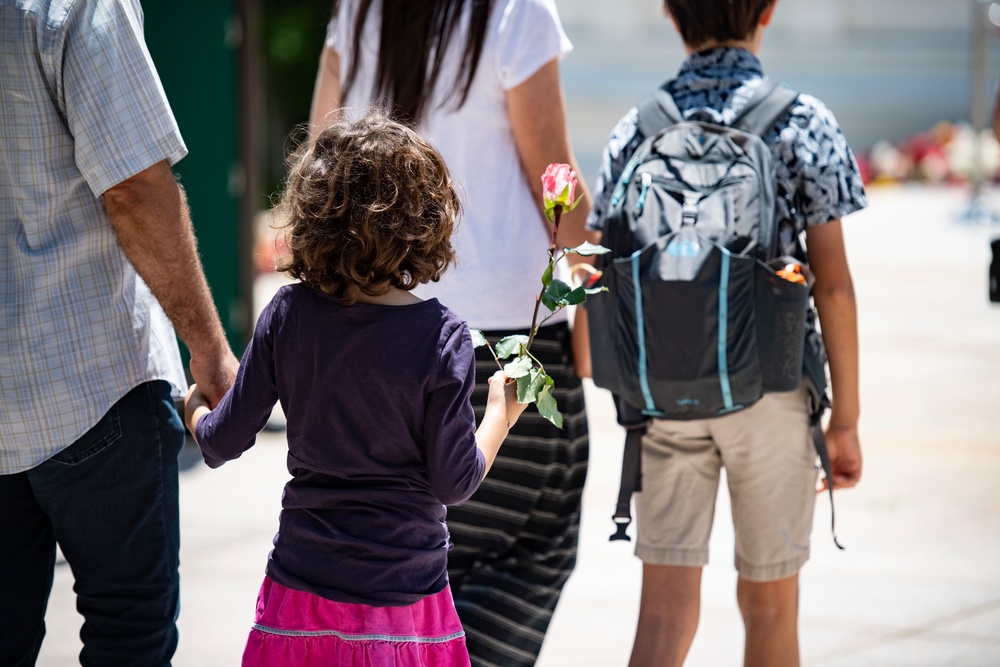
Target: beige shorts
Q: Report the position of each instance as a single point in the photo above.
(771, 470)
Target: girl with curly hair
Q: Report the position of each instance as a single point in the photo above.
(376, 386)
(480, 80)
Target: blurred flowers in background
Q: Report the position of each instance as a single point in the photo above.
(945, 154)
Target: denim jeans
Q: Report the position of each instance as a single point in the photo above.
(110, 501)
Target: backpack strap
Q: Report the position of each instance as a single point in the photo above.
(631, 482)
(657, 112)
(635, 427)
(766, 104)
(819, 443)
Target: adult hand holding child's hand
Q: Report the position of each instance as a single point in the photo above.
(195, 407)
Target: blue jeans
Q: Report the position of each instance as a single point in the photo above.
(110, 501)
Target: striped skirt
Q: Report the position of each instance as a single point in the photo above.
(515, 540)
(298, 629)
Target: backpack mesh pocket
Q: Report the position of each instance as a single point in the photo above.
(781, 320)
(656, 360)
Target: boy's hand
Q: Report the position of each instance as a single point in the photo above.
(845, 457)
(195, 407)
(504, 392)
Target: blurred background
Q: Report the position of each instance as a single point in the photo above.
(912, 85)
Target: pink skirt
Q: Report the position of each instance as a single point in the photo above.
(295, 628)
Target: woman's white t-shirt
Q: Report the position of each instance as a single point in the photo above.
(502, 238)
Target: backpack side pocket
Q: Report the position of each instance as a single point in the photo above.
(781, 319)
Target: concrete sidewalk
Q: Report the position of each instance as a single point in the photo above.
(919, 584)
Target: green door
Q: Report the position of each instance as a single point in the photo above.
(196, 48)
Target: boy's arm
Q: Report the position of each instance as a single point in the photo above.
(835, 303)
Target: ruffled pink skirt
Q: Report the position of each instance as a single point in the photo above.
(297, 629)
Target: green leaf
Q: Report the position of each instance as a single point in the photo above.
(478, 339)
(587, 249)
(546, 404)
(519, 367)
(510, 345)
(577, 296)
(529, 385)
(547, 275)
(556, 293)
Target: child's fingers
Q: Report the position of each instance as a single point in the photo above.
(499, 376)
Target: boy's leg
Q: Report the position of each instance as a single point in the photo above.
(770, 463)
(668, 615)
(674, 511)
(770, 614)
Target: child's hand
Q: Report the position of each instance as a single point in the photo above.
(504, 391)
(195, 407)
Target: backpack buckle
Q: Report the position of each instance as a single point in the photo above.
(689, 210)
(621, 525)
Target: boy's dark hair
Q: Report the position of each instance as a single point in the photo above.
(702, 21)
(367, 206)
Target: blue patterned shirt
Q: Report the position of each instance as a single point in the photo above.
(81, 110)
(817, 176)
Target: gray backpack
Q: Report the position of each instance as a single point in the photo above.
(697, 322)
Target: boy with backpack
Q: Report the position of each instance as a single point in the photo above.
(709, 194)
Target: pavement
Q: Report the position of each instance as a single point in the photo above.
(919, 582)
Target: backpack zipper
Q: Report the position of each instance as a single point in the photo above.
(647, 180)
(623, 182)
(669, 185)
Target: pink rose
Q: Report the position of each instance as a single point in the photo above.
(558, 188)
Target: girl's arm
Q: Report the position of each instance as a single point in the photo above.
(195, 407)
(231, 428)
(326, 93)
(458, 454)
(537, 114)
(834, 296)
(538, 119)
(502, 411)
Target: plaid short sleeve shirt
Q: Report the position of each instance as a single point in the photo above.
(81, 110)
(817, 176)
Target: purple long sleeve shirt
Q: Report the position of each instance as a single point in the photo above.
(381, 436)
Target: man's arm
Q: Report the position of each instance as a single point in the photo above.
(835, 303)
(150, 217)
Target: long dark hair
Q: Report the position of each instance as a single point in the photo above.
(415, 36)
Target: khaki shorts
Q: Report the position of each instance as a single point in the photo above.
(770, 464)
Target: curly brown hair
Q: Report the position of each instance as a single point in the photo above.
(367, 206)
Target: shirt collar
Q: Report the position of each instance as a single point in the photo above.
(715, 66)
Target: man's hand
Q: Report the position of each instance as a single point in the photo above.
(845, 457)
(215, 374)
